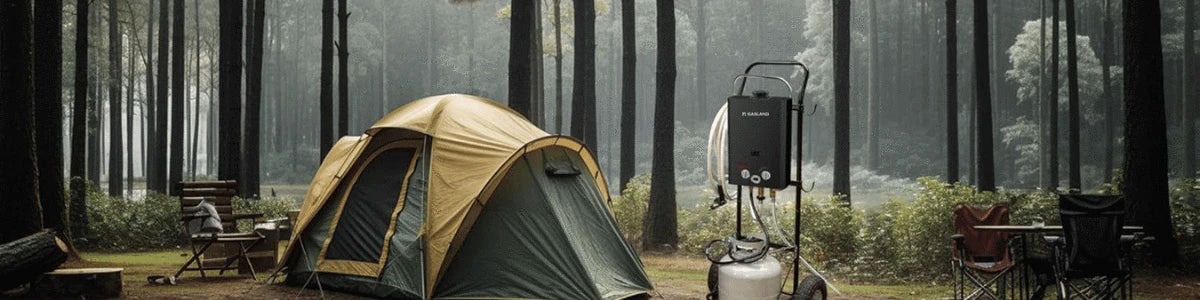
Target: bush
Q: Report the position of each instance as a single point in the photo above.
(115, 223)
(1185, 214)
(629, 209)
(118, 224)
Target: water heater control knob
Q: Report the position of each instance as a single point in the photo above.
(745, 174)
(766, 175)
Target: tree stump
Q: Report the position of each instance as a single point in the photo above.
(76, 283)
(23, 260)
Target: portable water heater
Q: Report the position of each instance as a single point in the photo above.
(759, 156)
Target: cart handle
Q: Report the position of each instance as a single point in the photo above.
(744, 77)
(803, 85)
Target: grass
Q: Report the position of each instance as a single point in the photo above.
(674, 276)
(153, 257)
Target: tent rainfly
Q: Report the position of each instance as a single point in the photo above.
(456, 197)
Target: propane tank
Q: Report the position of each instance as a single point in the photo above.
(757, 280)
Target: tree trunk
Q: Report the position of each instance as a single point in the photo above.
(704, 111)
(211, 157)
(230, 81)
(558, 59)
(1109, 100)
(1053, 101)
(78, 206)
(343, 81)
(158, 180)
(49, 114)
(537, 81)
(1146, 129)
(25, 259)
(149, 130)
(1043, 103)
(628, 92)
(519, 63)
(872, 161)
(583, 91)
(94, 121)
(983, 109)
(1072, 102)
(251, 143)
(660, 229)
(129, 115)
(22, 214)
(196, 109)
(177, 101)
(115, 186)
(841, 99)
(1189, 89)
(951, 91)
(326, 77)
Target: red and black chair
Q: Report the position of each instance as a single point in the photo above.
(982, 259)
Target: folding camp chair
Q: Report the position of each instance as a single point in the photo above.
(982, 260)
(1089, 257)
(225, 247)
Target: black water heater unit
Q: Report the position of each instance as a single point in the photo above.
(759, 140)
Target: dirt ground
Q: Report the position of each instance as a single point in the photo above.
(675, 277)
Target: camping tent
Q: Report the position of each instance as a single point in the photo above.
(456, 196)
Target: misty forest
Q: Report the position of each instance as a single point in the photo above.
(113, 109)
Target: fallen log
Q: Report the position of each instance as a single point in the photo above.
(24, 260)
(80, 283)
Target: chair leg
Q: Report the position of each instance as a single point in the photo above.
(195, 258)
(246, 257)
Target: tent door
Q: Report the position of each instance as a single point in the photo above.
(365, 221)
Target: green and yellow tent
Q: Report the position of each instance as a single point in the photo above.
(456, 197)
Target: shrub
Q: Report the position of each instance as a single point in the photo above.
(629, 209)
(115, 223)
(1185, 214)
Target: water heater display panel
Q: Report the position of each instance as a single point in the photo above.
(759, 137)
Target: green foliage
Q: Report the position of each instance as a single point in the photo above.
(629, 209)
(115, 223)
(1185, 214)
(899, 241)
(120, 224)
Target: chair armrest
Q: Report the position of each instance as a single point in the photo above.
(246, 216)
(959, 247)
(1054, 240)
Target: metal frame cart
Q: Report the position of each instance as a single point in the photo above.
(740, 173)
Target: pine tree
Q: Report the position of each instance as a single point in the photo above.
(230, 92)
(1145, 169)
(115, 186)
(660, 227)
(983, 108)
(22, 214)
(841, 99)
(326, 112)
(48, 116)
(628, 92)
(520, 70)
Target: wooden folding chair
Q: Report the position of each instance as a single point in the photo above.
(220, 194)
